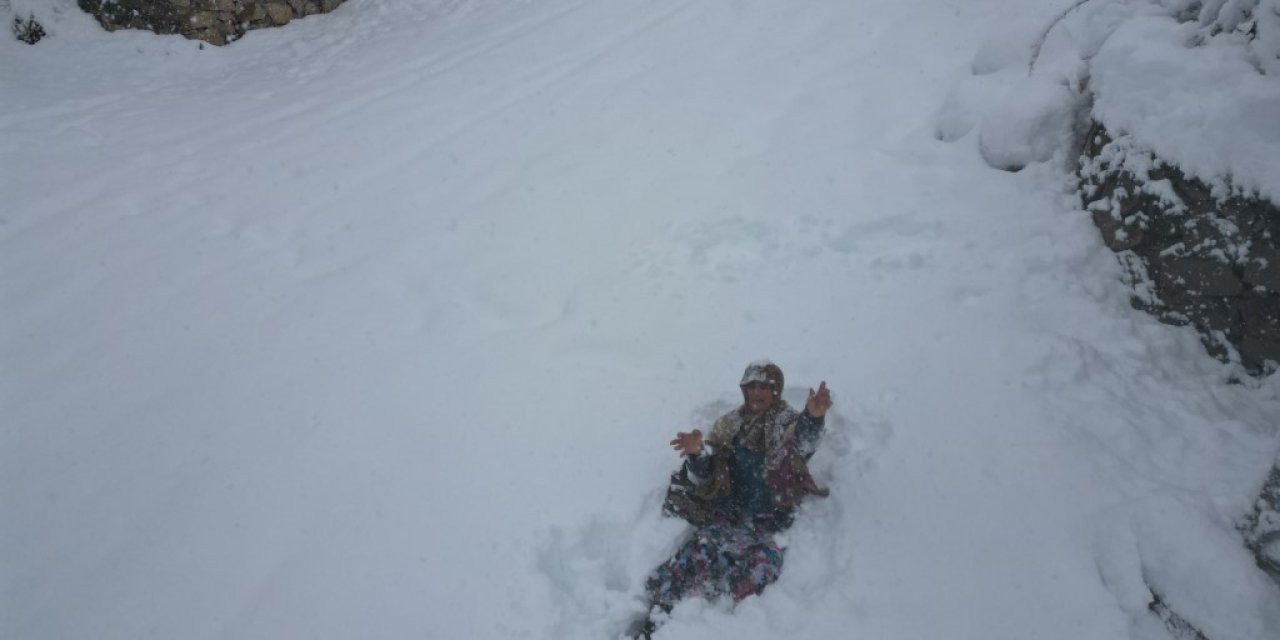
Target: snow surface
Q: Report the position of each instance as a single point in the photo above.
(1152, 84)
(378, 325)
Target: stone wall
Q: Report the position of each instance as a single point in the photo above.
(1198, 254)
(213, 21)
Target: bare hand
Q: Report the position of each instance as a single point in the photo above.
(819, 401)
(689, 444)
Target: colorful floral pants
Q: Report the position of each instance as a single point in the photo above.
(718, 559)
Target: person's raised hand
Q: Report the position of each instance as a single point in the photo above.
(819, 401)
(689, 444)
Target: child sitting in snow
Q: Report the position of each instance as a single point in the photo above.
(738, 494)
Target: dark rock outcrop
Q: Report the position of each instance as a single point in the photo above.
(1197, 254)
(213, 21)
(1177, 625)
(1262, 527)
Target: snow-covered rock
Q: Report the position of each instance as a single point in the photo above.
(1031, 122)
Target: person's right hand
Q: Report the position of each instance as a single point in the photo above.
(689, 444)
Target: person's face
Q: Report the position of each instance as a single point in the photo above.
(758, 396)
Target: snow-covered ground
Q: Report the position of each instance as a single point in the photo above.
(377, 326)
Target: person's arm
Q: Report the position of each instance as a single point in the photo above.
(808, 431)
(698, 466)
(812, 420)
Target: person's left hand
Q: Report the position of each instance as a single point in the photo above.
(819, 401)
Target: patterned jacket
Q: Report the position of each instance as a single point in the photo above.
(757, 465)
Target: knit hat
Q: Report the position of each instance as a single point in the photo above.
(766, 372)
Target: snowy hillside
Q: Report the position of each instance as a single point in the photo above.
(377, 326)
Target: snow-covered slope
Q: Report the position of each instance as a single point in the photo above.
(378, 325)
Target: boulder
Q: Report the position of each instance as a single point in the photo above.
(1197, 277)
(213, 21)
(252, 13)
(1212, 260)
(201, 20)
(1115, 233)
(279, 13)
(1262, 527)
(1263, 270)
(1260, 317)
(1256, 353)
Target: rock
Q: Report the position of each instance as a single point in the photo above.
(214, 36)
(201, 20)
(1169, 227)
(1262, 527)
(279, 13)
(1256, 352)
(252, 13)
(1028, 126)
(213, 21)
(1214, 262)
(1179, 627)
(1192, 191)
(1263, 270)
(1269, 557)
(1260, 316)
(1213, 315)
(1115, 234)
(1197, 277)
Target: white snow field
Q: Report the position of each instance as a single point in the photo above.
(377, 326)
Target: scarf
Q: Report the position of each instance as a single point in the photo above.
(765, 432)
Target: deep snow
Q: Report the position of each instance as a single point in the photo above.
(378, 325)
